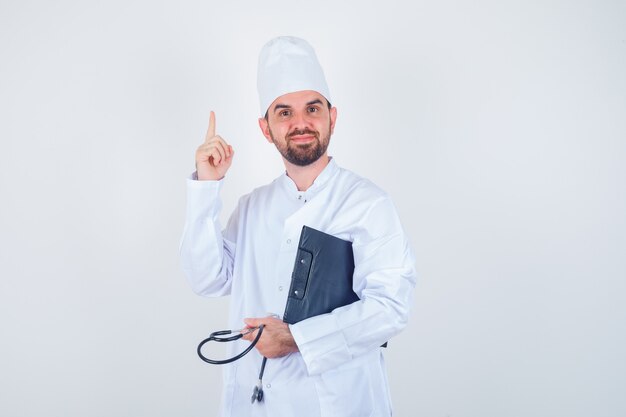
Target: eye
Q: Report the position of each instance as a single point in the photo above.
(284, 113)
(313, 109)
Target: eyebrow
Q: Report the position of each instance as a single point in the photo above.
(285, 106)
(281, 106)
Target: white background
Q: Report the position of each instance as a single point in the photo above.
(498, 127)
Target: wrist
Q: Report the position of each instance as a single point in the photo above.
(199, 175)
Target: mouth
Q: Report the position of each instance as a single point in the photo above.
(302, 138)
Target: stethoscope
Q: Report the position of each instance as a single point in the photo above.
(257, 394)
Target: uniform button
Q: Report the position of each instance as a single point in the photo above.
(299, 197)
(280, 288)
(288, 241)
(268, 386)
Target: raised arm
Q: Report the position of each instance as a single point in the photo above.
(207, 256)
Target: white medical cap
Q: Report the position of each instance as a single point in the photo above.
(288, 64)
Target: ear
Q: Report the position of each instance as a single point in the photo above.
(265, 129)
(333, 118)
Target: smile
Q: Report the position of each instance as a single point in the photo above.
(302, 138)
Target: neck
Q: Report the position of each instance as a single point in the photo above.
(306, 175)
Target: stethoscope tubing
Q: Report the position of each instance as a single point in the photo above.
(214, 337)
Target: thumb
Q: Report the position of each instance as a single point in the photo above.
(252, 322)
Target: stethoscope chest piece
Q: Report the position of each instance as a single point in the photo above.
(257, 394)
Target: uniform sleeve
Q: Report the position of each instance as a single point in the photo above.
(206, 254)
(384, 279)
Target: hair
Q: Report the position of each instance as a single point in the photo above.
(328, 102)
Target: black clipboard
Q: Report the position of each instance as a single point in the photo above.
(322, 276)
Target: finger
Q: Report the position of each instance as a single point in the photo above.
(221, 147)
(252, 322)
(250, 335)
(216, 149)
(210, 133)
(209, 153)
(215, 158)
(218, 145)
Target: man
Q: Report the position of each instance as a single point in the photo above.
(331, 364)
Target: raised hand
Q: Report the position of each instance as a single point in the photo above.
(214, 156)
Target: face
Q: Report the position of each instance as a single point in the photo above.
(300, 125)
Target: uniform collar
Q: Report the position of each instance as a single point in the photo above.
(320, 182)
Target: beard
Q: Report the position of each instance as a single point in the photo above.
(302, 154)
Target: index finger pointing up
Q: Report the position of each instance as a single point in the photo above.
(211, 131)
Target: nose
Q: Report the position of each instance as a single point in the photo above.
(301, 120)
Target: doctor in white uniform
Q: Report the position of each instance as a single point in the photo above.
(328, 365)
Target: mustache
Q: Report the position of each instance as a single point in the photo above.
(298, 132)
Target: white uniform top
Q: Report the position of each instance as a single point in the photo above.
(339, 370)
